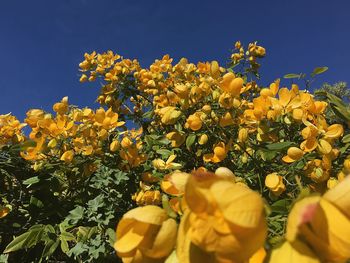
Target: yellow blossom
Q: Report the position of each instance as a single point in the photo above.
(168, 164)
(145, 234)
(224, 222)
(67, 156)
(225, 173)
(194, 122)
(176, 138)
(324, 223)
(274, 182)
(220, 153)
(203, 139)
(61, 107)
(293, 154)
(174, 183)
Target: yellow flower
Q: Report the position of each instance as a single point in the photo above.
(259, 256)
(293, 154)
(224, 172)
(114, 146)
(149, 178)
(274, 182)
(61, 107)
(176, 138)
(226, 120)
(242, 135)
(295, 252)
(174, 183)
(33, 116)
(203, 139)
(4, 211)
(317, 170)
(231, 84)
(107, 119)
(324, 223)
(220, 153)
(332, 182)
(67, 156)
(148, 197)
(169, 164)
(169, 115)
(224, 221)
(194, 122)
(145, 234)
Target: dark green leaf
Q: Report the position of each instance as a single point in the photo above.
(26, 240)
(280, 206)
(190, 140)
(164, 153)
(36, 202)
(279, 146)
(50, 248)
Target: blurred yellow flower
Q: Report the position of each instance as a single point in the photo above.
(145, 234)
(224, 221)
(324, 223)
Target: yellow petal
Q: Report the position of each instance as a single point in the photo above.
(130, 240)
(301, 213)
(240, 205)
(328, 233)
(296, 252)
(150, 214)
(258, 256)
(334, 131)
(165, 240)
(340, 196)
(324, 147)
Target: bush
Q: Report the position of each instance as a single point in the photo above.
(67, 183)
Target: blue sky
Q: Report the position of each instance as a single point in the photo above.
(42, 42)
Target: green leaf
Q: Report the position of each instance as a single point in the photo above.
(190, 140)
(164, 153)
(346, 138)
(50, 248)
(64, 245)
(319, 70)
(279, 146)
(280, 206)
(36, 202)
(31, 180)
(292, 76)
(148, 114)
(76, 214)
(67, 236)
(111, 236)
(26, 240)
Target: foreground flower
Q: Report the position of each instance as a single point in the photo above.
(145, 234)
(323, 223)
(224, 221)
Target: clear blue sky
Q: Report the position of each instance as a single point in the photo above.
(42, 42)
